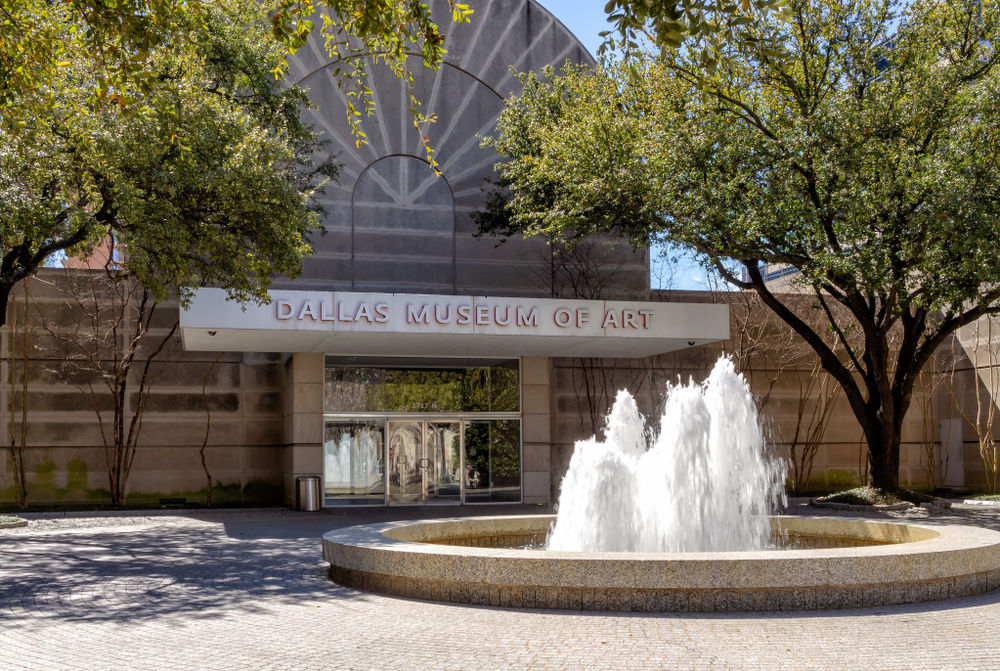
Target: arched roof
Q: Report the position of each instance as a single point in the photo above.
(466, 96)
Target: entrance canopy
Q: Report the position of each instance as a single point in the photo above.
(359, 324)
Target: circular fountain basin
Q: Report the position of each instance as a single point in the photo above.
(430, 560)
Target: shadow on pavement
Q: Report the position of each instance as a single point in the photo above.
(205, 564)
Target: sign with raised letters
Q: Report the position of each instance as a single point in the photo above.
(394, 324)
(443, 311)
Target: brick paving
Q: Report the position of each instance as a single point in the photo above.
(248, 590)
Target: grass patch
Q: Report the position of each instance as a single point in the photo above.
(987, 497)
(9, 519)
(870, 496)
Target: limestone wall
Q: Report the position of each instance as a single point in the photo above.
(839, 461)
(65, 454)
(251, 451)
(780, 374)
(969, 394)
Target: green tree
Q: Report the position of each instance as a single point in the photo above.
(711, 29)
(392, 32)
(866, 160)
(121, 34)
(205, 177)
(40, 39)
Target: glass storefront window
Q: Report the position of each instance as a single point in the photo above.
(444, 461)
(479, 388)
(493, 461)
(406, 462)
(353, 455)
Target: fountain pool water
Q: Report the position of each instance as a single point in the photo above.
(702, 483)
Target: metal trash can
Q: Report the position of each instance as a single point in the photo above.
(307, 493)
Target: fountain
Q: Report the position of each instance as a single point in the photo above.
(676, 519)
(703, 483)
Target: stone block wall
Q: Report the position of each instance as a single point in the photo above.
(583, 391)
(969, 395)
(303, 420)
(64, 451)
(266, 415)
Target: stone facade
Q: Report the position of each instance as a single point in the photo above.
(584, 389)
(266, 416)
(65, 454)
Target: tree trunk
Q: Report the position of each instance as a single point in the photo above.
(4, 301)
(883, 435)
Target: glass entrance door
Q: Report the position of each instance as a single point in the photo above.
(413, 461)
(443, 477)
(424, 461)
(406, 461)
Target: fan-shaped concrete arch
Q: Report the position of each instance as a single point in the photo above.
(465, 96)
(403, 211)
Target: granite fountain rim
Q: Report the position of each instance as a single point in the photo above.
(937, 562)
(940, 538)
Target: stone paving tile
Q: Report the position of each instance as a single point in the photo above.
(248, 590)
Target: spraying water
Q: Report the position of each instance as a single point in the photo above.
(703, 484)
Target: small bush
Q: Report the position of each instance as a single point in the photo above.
(870, 496)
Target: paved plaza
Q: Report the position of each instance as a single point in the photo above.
(248, 590)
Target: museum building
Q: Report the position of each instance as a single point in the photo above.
(411, 362)
(419, 355)
(423, 398)
(415, 348)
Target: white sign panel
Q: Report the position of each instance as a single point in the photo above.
(341, 321)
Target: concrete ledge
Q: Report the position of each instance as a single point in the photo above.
(13, 525)
(924, 563)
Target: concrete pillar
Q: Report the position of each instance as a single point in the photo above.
(303, 419)
(536, 451)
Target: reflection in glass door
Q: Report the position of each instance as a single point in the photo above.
(406, 461)
(493, 461)
(443, 462)
(352, 466)
(421, 461)
(424, 461)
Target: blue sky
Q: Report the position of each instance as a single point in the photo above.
(586, 18)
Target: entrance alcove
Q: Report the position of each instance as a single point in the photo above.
(421, 431)
(403, 227)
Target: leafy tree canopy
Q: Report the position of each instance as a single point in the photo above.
(120, 35)
(712, 29)
(391, 32)
(204, 177)
(865, 159)
(40, 39)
